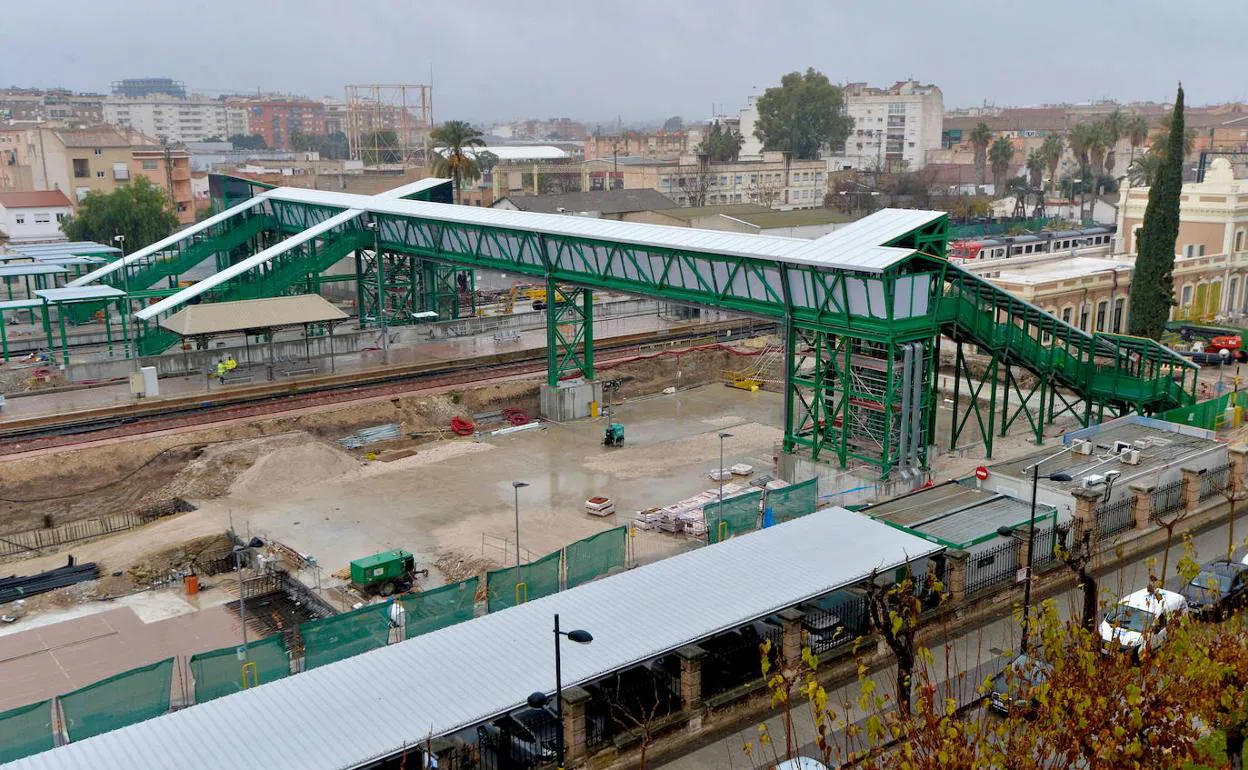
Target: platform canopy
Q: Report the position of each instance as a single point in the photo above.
(268, 313)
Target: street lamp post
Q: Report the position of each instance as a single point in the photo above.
(238, 550)
(120, 240)
(720, 473)
(515, 485)
(1031, 543)
(539, 699)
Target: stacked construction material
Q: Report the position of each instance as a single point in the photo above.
(15, 587)
(364, 436)
(600, 506)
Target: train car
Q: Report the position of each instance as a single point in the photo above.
(1043, 242)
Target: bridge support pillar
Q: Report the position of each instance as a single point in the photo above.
(570, 392)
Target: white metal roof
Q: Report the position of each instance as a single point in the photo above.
(238, 268)
(74, 293)
(517, 152)
(19, 304)
(413, 188)
(30, 268)
(854, 247)
(263, 313)
(164, 243)
(347, 713)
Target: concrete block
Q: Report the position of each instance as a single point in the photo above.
(569, 400)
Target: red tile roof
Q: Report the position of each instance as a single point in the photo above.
(30, 200)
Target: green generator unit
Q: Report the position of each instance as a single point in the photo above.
(384, 573)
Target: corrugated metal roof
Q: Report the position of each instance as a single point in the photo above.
(965, 526)
(75, 293)
(223, 317)
(30, 268)
(366, 707)
(418, 186)
(857, 246)
(238, 268)
(142, 254)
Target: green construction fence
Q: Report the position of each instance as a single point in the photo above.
(441, 607)
(732, 516)
(25, 731)
(526, 582)
(118, 701)
(595, 556)
(788, 503)
(222, 672)
(341, 636)
(1210, 414)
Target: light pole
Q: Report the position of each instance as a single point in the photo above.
(238, 550)
(516, 485)
(720, 473)
(381, 291)
(1031, 543)
(539, 699)
(120, 240)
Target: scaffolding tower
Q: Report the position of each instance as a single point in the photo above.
(376, 110)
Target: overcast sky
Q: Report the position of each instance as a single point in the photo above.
(638, 58)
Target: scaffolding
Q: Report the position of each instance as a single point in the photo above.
(389, 125)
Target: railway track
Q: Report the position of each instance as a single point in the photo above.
(50, 431)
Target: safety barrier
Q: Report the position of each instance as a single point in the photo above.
(438, 608)
(332, 639)
(26, 730)
(117, 701)
(793, 501)
(595, 556)
(732, 517)
(224, 672)
(512, 586)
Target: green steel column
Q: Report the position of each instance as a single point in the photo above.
(108, 330)
(47, 326)
(790, 350)
(125, 329)
(886, 406)
(1005, 401)
(4, 339)
(60, 322)
(957, 381)
(846, 388)
(359, 285)
(587, 319)
(992, 405)
(552, 337)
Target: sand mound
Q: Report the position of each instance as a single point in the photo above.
(292, 469)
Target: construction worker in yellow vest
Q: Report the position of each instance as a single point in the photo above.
(221, 372)
(230, 363)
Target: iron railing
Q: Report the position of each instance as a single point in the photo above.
(992, 566)
(735, 659)
(1166, 499)
(837, 624)
(1214, 481)
(1112, 518)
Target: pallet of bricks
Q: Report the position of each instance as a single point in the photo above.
(687, 516)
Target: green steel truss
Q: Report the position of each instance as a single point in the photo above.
(862, 383)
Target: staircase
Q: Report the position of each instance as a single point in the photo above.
(204, 248)
(1109, 369)
(287, 273)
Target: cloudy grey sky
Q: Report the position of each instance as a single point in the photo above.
(637, 58)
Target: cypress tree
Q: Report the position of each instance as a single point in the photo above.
(1152, 284)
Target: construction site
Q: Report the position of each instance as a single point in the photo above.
(327, 423)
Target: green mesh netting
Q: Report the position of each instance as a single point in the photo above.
(118, 701)
(594, 556)
(441, 607)
(220, 672)
(331, 639)
(733, 516)
(25, 731)
(517, 585)
(788, 503)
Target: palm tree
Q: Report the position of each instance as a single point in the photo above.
(1052, 150)
(999, 156)
(1136, 130)
(1098, 147)
(1143, 170)
(980, 137)
(1082, 138)
(1035, 167)
(453, 157)
(1162, 138)
(1114, 126)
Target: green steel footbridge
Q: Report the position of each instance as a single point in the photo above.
(864, 310)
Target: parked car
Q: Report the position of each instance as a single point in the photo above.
(1221, 586)
(522, 739)
(1138, 622)
(1011, 689)
(801, 763)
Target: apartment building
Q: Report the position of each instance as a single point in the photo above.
(169, 168)
(174, 120)
(34, 104)
(774, 181)
(33, 217)
(659, 145)
(278, 118)
(894, 127)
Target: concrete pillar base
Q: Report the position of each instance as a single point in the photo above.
(570, 400)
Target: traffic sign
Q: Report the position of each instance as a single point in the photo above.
(981, 473)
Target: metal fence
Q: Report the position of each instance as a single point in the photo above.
(1165, 500)
(1043, 550)
(992, 566)
(35, 539)
(837, 623)
(1113, 518)
(631, 701)
(1214, 481)
(735, 659)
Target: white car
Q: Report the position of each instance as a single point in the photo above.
(802, 763)
(1145, 614)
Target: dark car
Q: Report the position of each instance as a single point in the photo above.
(1221, 586)
(1011, 689)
